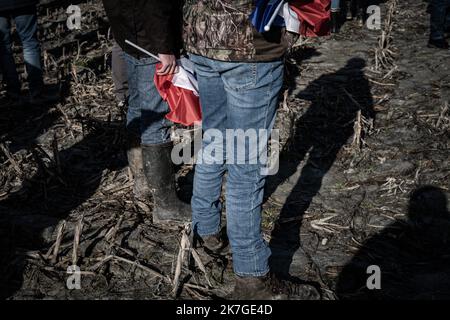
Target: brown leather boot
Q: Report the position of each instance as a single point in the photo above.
(141, 190)
(213, 245)
(273, 288)
(257, 288)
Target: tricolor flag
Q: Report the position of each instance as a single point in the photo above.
(291, 19)
(314, 16)
(310, 18)
(179, 90)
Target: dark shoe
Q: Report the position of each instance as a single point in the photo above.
(141, 190)
(159, 171)
(335, 15)
(213, 245)
(257, 288)
(296, 289)
(439, 44)
(273, 288)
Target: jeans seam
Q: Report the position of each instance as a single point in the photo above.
(255, 187)
(255, 74)
(256, 173)
(269, 95)
(200, 64)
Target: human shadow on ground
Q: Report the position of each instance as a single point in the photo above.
(413, 256)
(318, 136)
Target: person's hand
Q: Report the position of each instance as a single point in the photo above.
(169, 64)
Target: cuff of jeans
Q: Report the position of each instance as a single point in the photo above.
(251, 274)
(207, 233)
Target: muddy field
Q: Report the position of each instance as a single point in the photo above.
(363, 180)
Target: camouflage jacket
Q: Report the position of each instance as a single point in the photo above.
(221, 30)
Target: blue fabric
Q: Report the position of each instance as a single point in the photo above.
(440, 20)
(146, 109)
(335, 5)
(119, 73)
(234, 96)
(26, 25)
(264, 10)
(16, 4)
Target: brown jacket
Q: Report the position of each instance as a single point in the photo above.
(154, 25)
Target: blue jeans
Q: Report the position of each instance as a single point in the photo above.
(235, 96)
(146, 108)
(440, 20)
(335, 5)
(26, 25)
(119, 73)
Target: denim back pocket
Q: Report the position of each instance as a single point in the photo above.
(242, 77)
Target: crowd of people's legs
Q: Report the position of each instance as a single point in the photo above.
(24, 16)
(347, 10)
(342, 10)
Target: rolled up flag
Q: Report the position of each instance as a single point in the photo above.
(179, 90)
